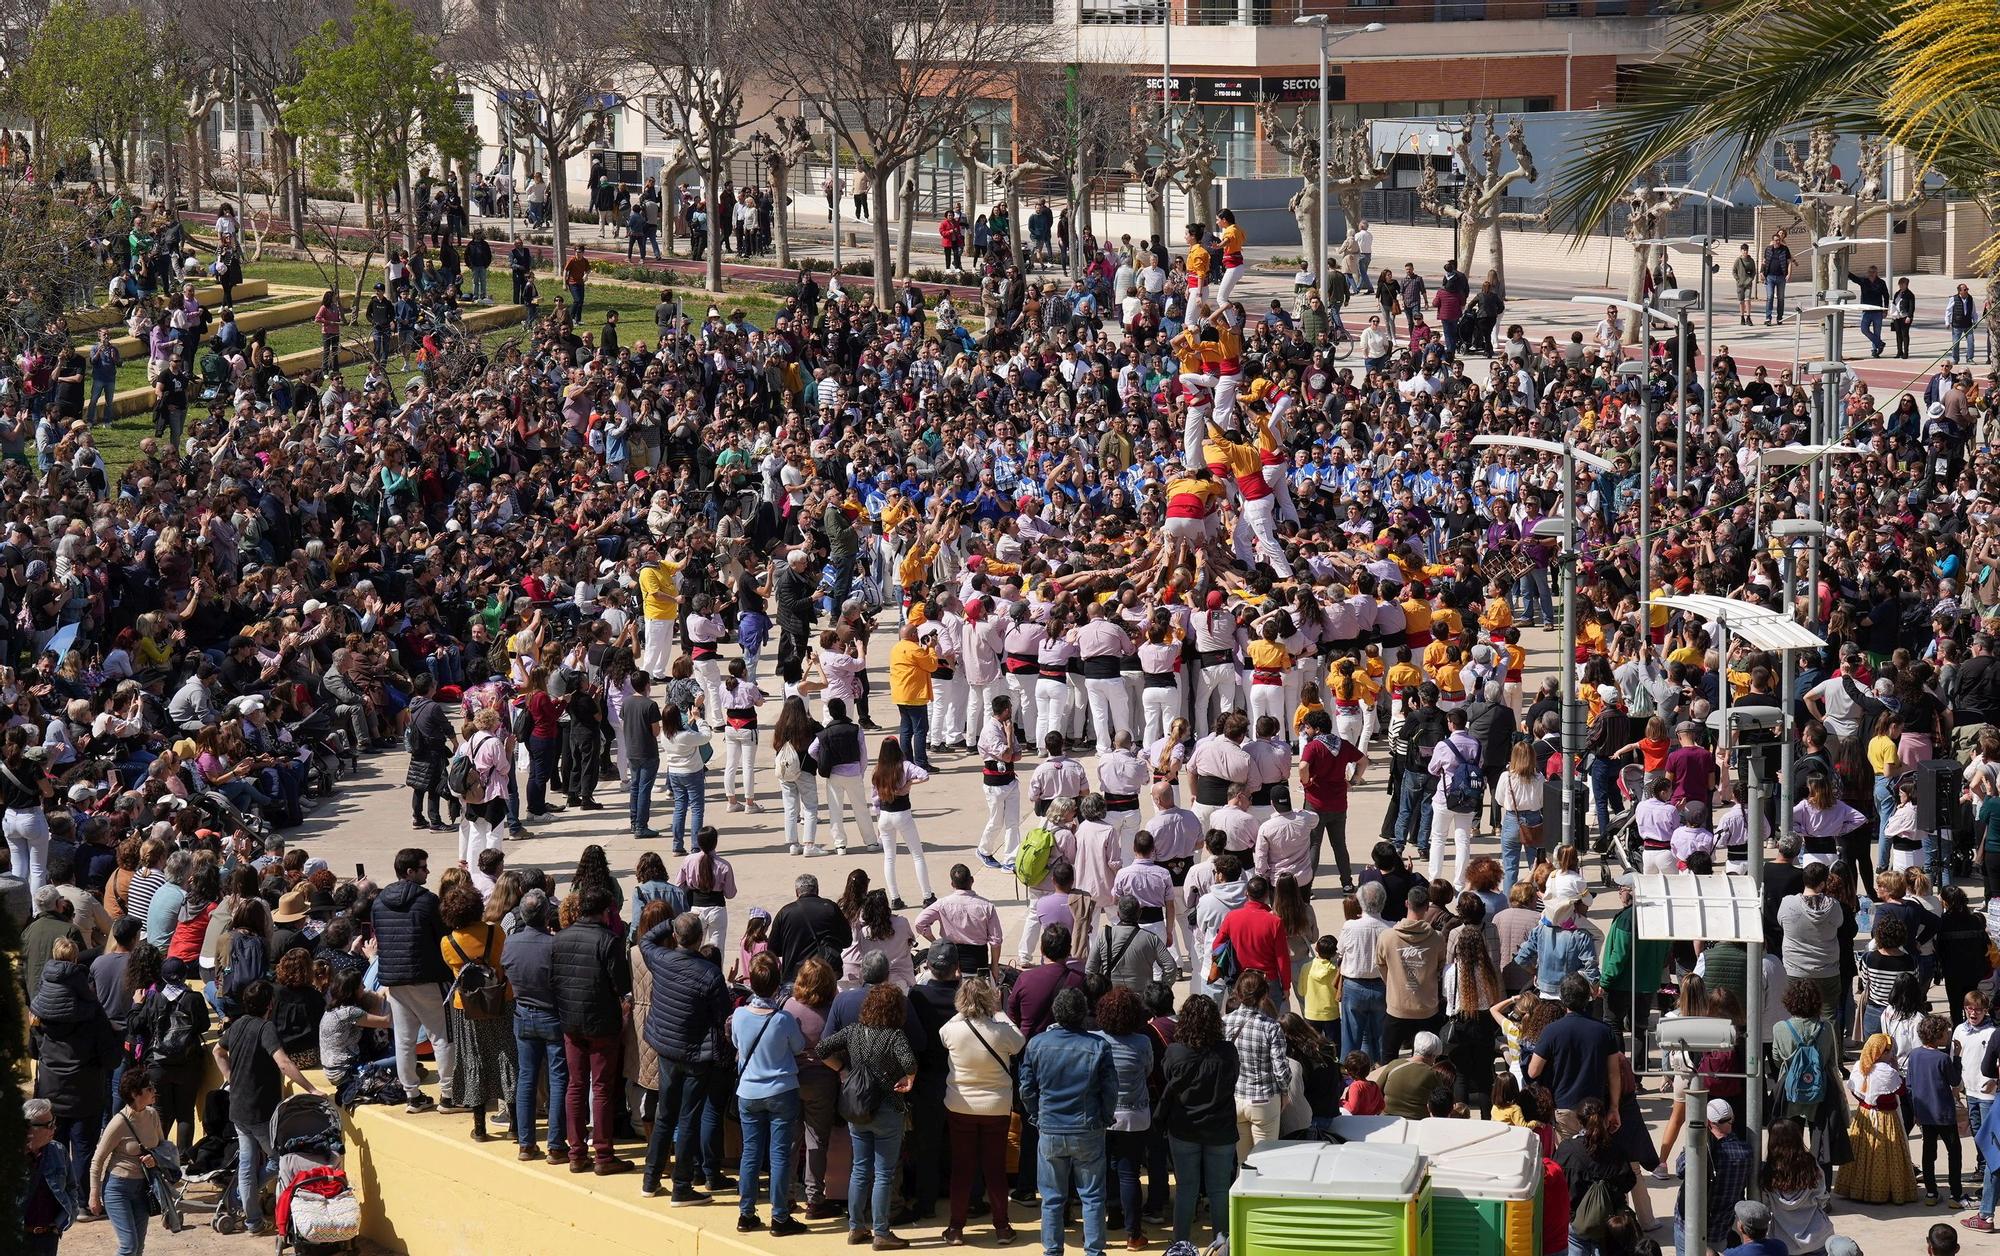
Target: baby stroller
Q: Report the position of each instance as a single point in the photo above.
(317, 1211)
(218, 812)
(1624, 846)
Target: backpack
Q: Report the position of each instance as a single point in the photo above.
(788, 766)
(461, 779)
(861, 1095)
(179, 1040)
(482, 995)
(1223, 965)
(1803, 1081)
(1462, 790)
(248, 960)
(1038, 847)
(521, 723)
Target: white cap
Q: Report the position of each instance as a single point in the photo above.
(313, 606)
(247, 705)
(1720, 1111)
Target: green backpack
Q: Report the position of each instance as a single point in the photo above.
(1031, 862)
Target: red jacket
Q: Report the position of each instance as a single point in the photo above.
(1253, 930)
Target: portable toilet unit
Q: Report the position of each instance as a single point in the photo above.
(1325, 1199)
(1486, 1179)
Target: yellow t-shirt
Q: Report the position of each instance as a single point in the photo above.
(1882, 755)
(1447, 623)
(1404, 676)
(1268, 656)
(1320, 1003)
(1498, 616)
(659, 591)
(1197, 263)
(1417, 617)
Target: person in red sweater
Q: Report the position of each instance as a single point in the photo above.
(1259, 940)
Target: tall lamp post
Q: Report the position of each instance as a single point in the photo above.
(1563, 531)
(1707, 245)
(1786, 531)
(1328, 37)
(1678, 299)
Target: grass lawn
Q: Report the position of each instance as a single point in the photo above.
(119, 441)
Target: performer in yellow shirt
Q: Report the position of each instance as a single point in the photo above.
(1417, 618)
(1198, 383)
(1232, 254)
(659, 602)
(1223, 354)
(1197, 271)
(1496, 617)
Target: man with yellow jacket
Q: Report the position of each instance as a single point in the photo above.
(910, 666)
(659, 602)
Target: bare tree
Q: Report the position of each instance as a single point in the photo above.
(266, 60)
(549, 64)
(701, 56)
(1073, 121)
(1197, 166)
(1827, 202)
(1005, 172)
(1485, 182)
(1148, 158)
(782, 154)
(1353, 167)
(894, 80)
(1298, 140)
(1647, 209)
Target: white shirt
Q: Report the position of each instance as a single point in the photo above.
(1364, 241)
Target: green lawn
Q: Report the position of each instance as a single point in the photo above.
(120, 440)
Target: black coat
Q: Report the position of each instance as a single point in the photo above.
(804, 925)
(690, 1009)
(593, 975)
(408, 934)
(430, 742)
(74, 1044)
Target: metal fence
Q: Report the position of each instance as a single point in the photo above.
(1399, 207)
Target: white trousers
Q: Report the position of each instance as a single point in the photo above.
(1110, 710)
(714, 926)
(1125, 827)
(1350, 724)
(1051, 708)
(1225, 399)
(477, 836)
(979, 706)
(1267, 700)
(28, 847)
(800, 800)
(1194, 428)
(1031, 930)
(1218, 683)
(739, 762)
(1158, 707)
(417, 1008)
(850, 792)
(1258, 524)
(659, 647)
(708, 674)
(948, 722)
(1023, 686)
(1457, 826)
(1281, 489)
(1002, 835)
(1230, 276)
(900, 827)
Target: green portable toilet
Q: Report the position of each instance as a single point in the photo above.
(1324, 1199)
(1485, 1176)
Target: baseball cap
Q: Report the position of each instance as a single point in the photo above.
(1752, 1212)
(1720, 1111)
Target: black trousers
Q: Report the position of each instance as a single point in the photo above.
(582, 752)
(1333, 826)
(1399, 1032)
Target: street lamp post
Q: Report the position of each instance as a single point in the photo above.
(1707, 239)
(1328, 37)
(1564, 531)
(1786, 531)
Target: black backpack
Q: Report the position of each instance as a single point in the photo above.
(482, 994)
(177, 1041)
(249, 960)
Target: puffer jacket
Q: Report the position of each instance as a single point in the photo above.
(408, 933)
(593, 974)
(74, 1044)
(690, 1008)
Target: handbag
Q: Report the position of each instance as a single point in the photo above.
(162, 1189)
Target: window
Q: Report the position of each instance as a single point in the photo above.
(1560, 8)
(655, 108)
(1541, 104)
(1234, 130)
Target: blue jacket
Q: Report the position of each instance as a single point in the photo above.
(1068, 1082)
(1557, 952)
(690, 1009)
(53, 1166)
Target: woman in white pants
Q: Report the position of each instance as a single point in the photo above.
(704, 631)
(740, 699)
(798, 776)
(890, 783)
(1052, 691)
(710, 883)
(24, 786)
(482, 826)
(1161, 697)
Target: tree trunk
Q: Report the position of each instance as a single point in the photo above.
(1496, 257)
(1635, 291)
(1156, 206)
(169, 168)
(197, 166)
(1469, 229)
(878, 200)
(1201, 196)
(1305, 212)
(1014, 219)
(780, 178)
(558, 210)
(718, 230)
(294, 186)
(906, 186)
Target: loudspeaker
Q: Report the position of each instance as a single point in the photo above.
(1939, 782)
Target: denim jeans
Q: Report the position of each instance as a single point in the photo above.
(1128, 1154)
(684, 1093)
(1072, 1160)
(538, 1049)
(869, 1185)
(1413, 809)
(1510, 850)
(1364, 1012)
(542, 754)
(575, 302)
(1871, 330)
(687, 789)
(1885, 805)
(1966, 337)
(478, 283)
(126, 1203)
(768, 1125)
(1774, 298)
(639, 778)
(253, 1155)
(915, 730)
(1579, 1246)
(1604, 790)
(1200, 1169)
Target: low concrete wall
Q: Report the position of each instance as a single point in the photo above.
(105, 316)
(264, 318)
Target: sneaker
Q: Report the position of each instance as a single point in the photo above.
(891, 1242)
(684, 1196)
(792, 849)
(928, 900)
(558, 1155)
(811, 852)
(1661, 1173)
(613, 1167)
(1960, 1202)
(786, 1227)
(722, 1184)
(420, 1102)
(648, 835)
(989, 861)
(1977, 1224)
(649, 1190)
(529, 1152)
(840, 851)
(747, 1222)
(823, 1210)
(899, 904)
(452, 1109)
(1930, 1199)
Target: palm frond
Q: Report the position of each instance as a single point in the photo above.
(1943, 103)
(1759, 70)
